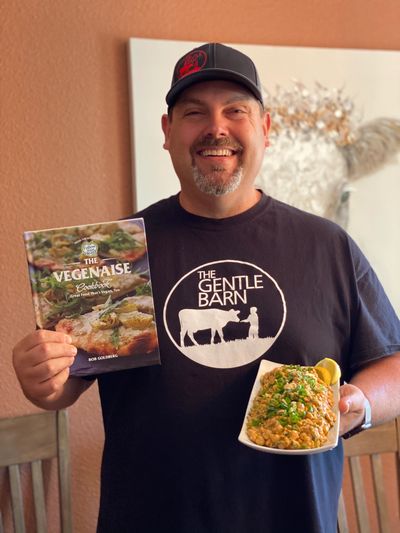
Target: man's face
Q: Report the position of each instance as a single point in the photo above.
(216, 136)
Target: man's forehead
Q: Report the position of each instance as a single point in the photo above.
(226, 90)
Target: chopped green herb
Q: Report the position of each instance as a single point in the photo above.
(143, 290)
(115, 337)
(119, 240)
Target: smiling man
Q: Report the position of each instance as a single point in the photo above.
(237, 277)
(216, 134)
(216, 130)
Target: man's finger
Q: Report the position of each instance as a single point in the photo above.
(50, 386)
(48, 369)
(344, 405)
(49, 351)
(39, 337)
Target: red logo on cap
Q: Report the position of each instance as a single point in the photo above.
(193, 62)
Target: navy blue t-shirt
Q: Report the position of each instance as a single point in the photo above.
(273, 283)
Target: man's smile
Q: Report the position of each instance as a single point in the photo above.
(216, 152)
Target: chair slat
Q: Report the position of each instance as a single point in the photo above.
(398, 461)
(343, 526)
(359, 495)
(16, 499)
(64, 472)
(38, 496)
(379, 490)
(398, 484)
(27, 438)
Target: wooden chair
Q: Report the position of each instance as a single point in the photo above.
(32, 439)
(371, 443)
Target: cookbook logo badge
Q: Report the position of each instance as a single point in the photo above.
(224, 314)
(89, 249)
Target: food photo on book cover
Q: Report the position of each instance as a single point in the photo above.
(93, 283)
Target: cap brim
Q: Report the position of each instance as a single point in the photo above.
(212, 74)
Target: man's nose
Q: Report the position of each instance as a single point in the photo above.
(217, 125)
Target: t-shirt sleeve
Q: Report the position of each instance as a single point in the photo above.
(376, 327)
(88, 378)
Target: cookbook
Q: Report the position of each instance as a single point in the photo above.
(93, 283)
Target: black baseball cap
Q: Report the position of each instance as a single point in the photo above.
(214, 61)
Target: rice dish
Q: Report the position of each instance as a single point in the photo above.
(292, 410)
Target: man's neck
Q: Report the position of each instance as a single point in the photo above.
(219, 206)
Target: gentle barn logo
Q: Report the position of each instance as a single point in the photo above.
(225, 314)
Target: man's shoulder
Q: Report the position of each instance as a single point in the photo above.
(320, 233)
(157, 212)
(305, 221)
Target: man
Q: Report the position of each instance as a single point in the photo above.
(172, 462)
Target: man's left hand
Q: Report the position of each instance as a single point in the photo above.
(351, 407)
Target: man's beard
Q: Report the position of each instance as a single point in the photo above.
(214, 184)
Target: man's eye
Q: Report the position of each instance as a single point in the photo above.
(237, 111)
(192, 113)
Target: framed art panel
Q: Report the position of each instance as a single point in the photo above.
(335, 137)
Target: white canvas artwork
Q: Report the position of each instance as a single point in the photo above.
(328, 99)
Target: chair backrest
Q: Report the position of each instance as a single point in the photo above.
(384, 439)
(32, 439)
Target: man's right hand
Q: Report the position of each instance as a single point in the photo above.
(42, 361)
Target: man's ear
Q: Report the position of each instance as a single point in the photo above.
(267, 126)
(165, 127)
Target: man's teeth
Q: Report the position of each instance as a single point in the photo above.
(220, 152)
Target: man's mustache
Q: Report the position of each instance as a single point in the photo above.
(208, 141)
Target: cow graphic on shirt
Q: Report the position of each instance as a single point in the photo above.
(192, 320)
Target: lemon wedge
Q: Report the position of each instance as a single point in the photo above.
(332, 367)
(324, 374)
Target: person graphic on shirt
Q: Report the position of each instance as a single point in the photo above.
(253, 321)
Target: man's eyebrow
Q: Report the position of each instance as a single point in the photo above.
(239, 98)
(190, 100)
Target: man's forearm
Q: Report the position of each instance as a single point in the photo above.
(380, 383)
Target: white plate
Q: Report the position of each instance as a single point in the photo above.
(333, 435)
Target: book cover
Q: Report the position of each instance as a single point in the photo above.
(93, 283)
